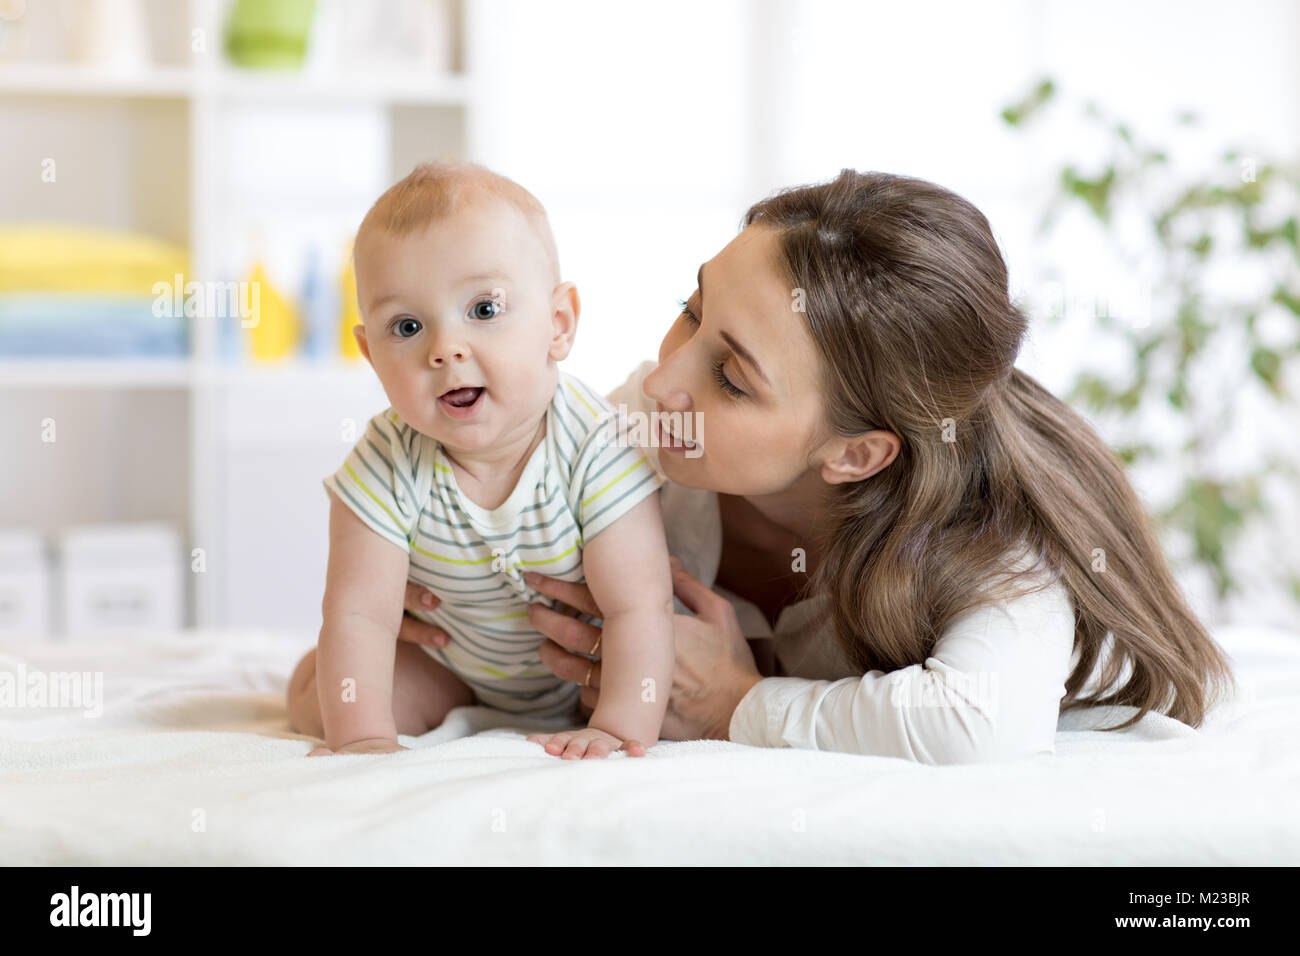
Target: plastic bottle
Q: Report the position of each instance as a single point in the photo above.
(349, 313)
(319, 310)
(278, 330)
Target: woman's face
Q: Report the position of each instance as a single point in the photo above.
(741, 362)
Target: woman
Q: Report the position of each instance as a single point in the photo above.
(943, 554)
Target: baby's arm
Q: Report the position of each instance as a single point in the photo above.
(362, 611)
(626, 567)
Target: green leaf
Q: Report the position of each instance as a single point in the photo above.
(1130, 398)
(1285, 297)
(1291, 233)
(1177, 393)
(1267, 364)
(1094, 192)
(1206, 509)
(1017, 113)
(1093, 391)
(1130, 453)
(1193, 331)
(1258, 238)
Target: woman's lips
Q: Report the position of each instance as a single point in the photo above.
(462, 403)
(666, 440)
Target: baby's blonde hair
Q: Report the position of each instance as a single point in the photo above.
(433, 191)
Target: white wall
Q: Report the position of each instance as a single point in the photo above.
(647, 129)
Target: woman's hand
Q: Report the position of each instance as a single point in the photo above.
(412, 629)
(714, 666)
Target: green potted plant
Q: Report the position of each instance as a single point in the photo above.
(1204, 358)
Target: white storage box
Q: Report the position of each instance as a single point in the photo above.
(25, 584)
(121, 577)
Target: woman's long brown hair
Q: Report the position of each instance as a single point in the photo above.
(905, 293)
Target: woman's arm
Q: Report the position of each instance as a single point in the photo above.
(990, 690)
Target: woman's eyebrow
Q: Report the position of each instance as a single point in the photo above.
(735, 346)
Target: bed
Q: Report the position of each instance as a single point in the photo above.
(192, 762)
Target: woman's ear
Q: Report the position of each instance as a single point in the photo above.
(859, 457)
(564, 319)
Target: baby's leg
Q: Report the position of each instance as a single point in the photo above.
(423, 693)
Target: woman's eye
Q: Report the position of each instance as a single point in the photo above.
(487, 309)
(406, 324)
(725, 383)
(719, 375)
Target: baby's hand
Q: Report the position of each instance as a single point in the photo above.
(375, 745)
(586, 744)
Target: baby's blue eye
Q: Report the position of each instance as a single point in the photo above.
(487, 309)
(406, 322)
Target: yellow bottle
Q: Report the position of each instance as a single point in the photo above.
(350, 314)
(278, 331)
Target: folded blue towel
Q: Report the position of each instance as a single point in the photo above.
(56, 324)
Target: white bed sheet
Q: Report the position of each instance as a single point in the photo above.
(192, 762)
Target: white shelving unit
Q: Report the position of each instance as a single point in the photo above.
(153, 152)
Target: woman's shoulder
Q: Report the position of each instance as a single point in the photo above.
(1036, 586)
(1033, 620)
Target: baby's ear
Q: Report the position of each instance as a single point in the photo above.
(359, 333)
(564, 319)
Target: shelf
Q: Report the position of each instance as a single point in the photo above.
(231, 450)
(298, 372)
(59, 79)
(95, 373)
(301, 88)
(56, 79)
(172, 373)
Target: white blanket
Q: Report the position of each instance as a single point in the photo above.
(192, 762)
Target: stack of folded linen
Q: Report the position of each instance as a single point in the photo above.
(84, 291)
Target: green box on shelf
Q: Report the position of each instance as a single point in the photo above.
(269, 34)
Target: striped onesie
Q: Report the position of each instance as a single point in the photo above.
(582, 477)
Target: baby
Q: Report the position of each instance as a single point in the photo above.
(491, 461)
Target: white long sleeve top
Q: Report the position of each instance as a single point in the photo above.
(990, 689)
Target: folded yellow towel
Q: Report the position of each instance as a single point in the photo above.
(68, 258)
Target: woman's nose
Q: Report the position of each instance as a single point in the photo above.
(657, 387)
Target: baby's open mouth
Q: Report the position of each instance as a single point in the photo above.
(461, 397)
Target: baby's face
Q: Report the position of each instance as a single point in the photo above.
(460, 325)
